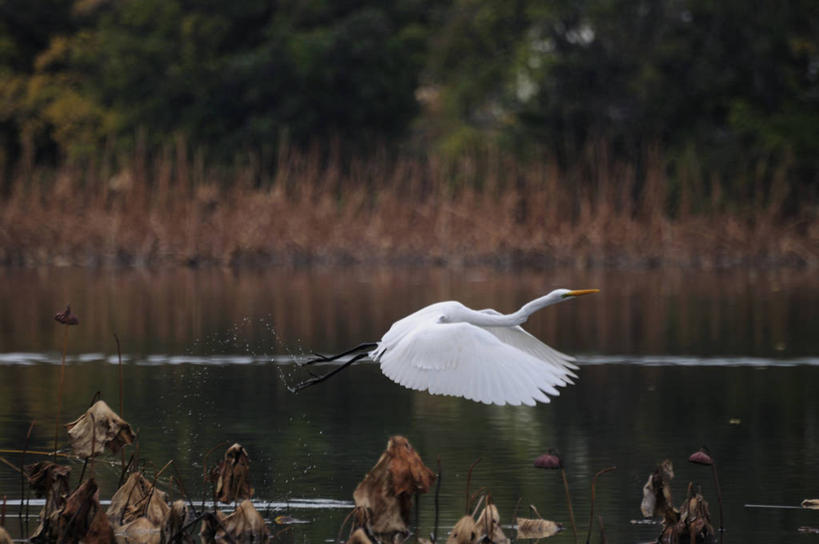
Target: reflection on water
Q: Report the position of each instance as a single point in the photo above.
(771, 314)
(672, 360)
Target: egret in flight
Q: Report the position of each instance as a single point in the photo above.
(482, 355)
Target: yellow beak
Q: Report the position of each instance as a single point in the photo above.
(579, 292)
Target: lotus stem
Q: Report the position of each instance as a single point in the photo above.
(180, 485)
(468, 482)
(119, 356)
(593, 487)
(719, 497)
(121, 411)
(569, 503)
(23, 497)
(437, 493)
(153, 486)
(60, 394)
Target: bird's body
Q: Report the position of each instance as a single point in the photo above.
(447, 348)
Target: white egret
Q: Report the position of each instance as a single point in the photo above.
(482, 355)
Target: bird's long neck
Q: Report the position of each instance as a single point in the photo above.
(539, 303)
(515, 318)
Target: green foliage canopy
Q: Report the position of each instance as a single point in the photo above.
(735, 83)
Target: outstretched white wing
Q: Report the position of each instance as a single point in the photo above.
(468, 361)
(524, 341)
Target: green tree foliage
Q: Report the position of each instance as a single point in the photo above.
(228, 76)
(724, 84)
(731, 78)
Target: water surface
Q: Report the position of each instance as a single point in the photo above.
(671, 360)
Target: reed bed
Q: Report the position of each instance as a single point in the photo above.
(312, 208)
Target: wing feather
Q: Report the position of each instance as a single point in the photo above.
(464, 360)
(523, 340)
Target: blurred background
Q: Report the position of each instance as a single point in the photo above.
(600, 131)
(230, 185)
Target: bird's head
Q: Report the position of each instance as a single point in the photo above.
(570, 293)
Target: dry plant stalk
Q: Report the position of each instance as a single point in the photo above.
(387, 490)
(68, 319)
(5, 538)
(99, 427)
(593, 211)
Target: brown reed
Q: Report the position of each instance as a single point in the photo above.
(489, 208)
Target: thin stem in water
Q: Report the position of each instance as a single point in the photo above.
(569, 503)
(593, 487)
(60, 394)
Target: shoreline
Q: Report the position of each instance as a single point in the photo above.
(623, 257)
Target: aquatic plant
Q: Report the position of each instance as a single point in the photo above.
(593, 487)
(67, 319)
(232, 475)
(386, 492)
(703, 457)
(657, 490)
(552, 460)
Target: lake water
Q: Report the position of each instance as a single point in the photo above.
(670, 360)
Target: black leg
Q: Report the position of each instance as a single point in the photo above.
(318, 379)
(327, 358)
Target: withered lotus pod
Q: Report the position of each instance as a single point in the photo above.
(551, 460)
(700, 457)
(548, 460)
(66, 317)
